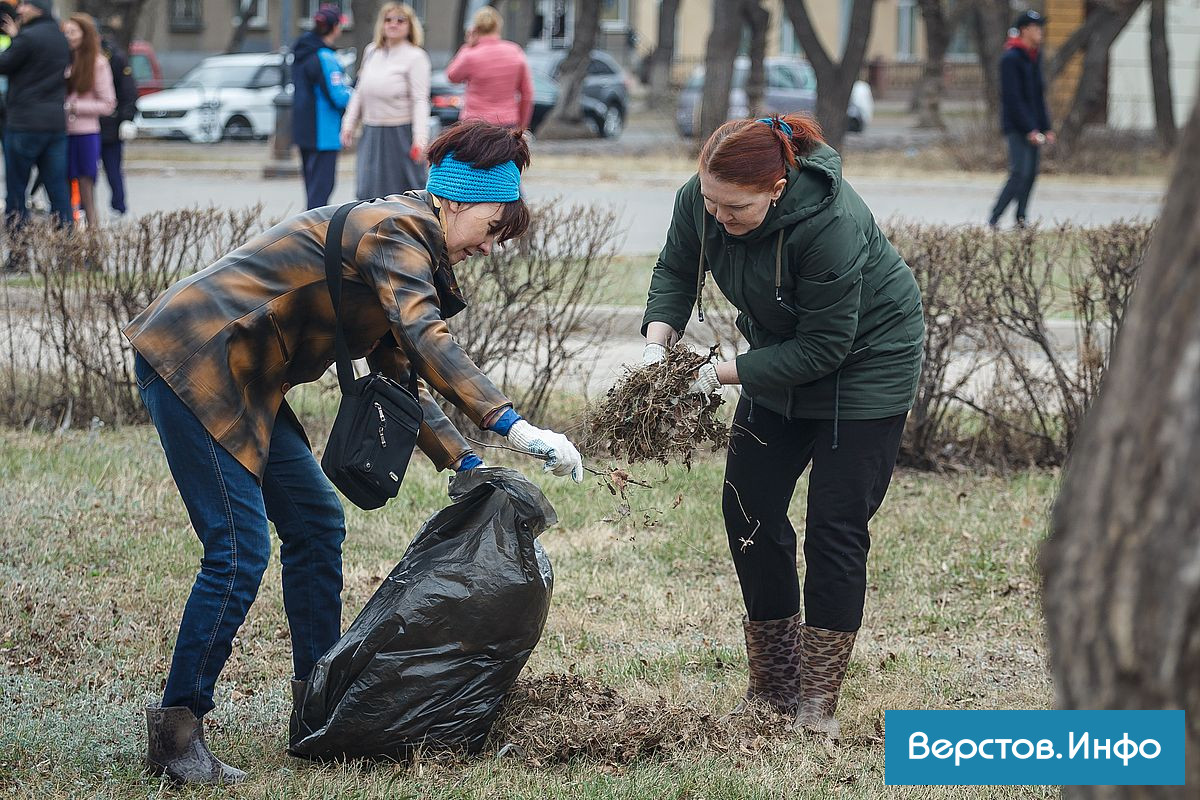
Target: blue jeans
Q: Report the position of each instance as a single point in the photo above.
(229, 512)
(320, 171)
(23, 150)
(1023, 160)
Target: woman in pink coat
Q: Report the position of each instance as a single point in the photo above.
(90, 96)
(499, 83)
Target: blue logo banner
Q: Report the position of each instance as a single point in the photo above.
(1034, 748)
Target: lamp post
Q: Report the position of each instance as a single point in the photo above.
(282, 163)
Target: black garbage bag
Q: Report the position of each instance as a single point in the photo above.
(435, 650)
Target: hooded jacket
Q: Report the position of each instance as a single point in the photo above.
(232, 339)
(36, 65)
(321, 95)
(832, 313)
(1022, 91)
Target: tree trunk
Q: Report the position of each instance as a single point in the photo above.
(932, 84)
(1122, 600)
(989, 26)
(1091, 93)
(1160, 77)
(121, 16)
(719, 55)
(835, 79)
(664, 52)
(365, 12)
(460, 23)
(568, 114)
(246, 11)
(757, 19)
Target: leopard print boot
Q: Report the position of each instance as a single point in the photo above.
(826, 654)
(773, 650)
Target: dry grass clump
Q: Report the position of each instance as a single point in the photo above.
(554, 718)
(647, 416)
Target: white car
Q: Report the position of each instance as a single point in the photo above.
(223, 97)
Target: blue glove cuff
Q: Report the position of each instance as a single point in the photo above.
(503, 425)
(469, 461)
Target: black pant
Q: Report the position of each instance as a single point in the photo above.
(111, 154)
(320, 168)
(1023, 160)
(845, 489)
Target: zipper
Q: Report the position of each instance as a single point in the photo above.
(382, 424)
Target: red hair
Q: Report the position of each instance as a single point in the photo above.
(756, 155)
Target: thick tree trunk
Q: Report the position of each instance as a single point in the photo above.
(1121, 592)
(246, 11)
(757, 19)
(664, 52)
(1160, 77)
(460, 23)
(835, 79)
(932, 84)
(1091, 93)
(364, 12)
(989, 27)
(120, 15)
(719, 56)
(568, 113)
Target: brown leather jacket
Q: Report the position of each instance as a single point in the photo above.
(231, 339)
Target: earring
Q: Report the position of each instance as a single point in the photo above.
(774, 202)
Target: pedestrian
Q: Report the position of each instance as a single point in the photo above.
(391, 97)
(35, 133)
(118, 126)
(216, 354)
(496, 72)
(321, 96)
(90, 96)
(834, 322)
(1023, 115)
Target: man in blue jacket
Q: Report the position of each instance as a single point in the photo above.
(320, 99)
(1023, 115)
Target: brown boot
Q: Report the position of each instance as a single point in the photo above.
(826, 654)
(176, 748)
(773, 652)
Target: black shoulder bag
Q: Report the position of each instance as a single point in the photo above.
(376, 427)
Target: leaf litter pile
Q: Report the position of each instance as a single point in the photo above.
(554, 718)
(647, 416)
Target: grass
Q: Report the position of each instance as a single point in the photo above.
(99, 558)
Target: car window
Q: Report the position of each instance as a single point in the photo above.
(598, 67)
(268, 76)
(220, 76)
(781, 77)
(808, 78)
(697, 80)
(142, 71)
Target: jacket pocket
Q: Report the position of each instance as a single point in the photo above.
(813, 295)
(143, 373)
(283, 348)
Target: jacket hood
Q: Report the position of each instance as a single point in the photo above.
(307, 45)
(811, 187)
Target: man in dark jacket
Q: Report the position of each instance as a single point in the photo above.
(111, 145)
(35, 132)
(320, 99)
(1023, 116)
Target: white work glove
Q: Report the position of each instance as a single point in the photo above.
(127, 131)
(706, 380)
(562, 458)
(653, 352)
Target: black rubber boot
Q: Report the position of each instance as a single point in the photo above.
(176, 749)
(294, 732)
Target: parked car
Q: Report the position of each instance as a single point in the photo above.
(791, 86)
(605, 98)
(146, 71)
(223, 97)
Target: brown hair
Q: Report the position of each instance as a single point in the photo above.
(83, 61)
(757, 154)
(416, 34)
(484, 145)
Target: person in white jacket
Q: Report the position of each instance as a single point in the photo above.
(391, 100)
(90, 96)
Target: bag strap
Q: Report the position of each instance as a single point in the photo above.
(333, 279)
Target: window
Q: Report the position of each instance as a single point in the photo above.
(267, 77)
(788, 44)
(779, 77)
(598, 67)
(142, 71)
(256, 10)
(311, 6)
(907, 15)
(186, 15)
(614, 15)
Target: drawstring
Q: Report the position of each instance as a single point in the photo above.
(700, 271)
(837, 390)
(750, 416)
(779, 266)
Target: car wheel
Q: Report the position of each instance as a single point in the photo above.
(613, 122)
(239, 128)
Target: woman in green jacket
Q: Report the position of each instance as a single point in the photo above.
(834, 321)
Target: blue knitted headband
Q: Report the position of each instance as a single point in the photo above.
(783, 126)
(459, 181)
